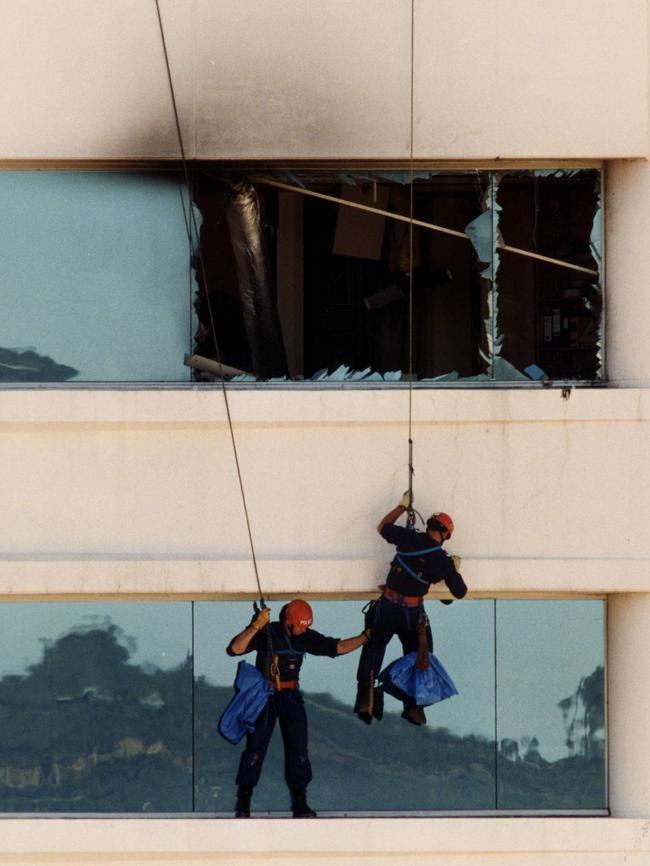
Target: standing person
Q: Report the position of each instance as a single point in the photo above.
(419, 561)
(280, 648)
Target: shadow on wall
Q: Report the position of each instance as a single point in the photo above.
(85, 730)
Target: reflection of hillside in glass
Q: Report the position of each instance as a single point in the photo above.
(395, 767)
(85, 731)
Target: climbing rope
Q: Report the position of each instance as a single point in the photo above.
(192, 230)
(410, 519)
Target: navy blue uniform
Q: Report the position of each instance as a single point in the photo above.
(408, 576)
(285, 705)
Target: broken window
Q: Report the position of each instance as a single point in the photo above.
(308, 275)
(113, 277)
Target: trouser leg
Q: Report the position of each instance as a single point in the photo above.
(372, 653)
(257, 742)
(369, 701)
(293, 726)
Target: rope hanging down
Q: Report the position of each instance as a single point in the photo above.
(192, 231)
(410, 520)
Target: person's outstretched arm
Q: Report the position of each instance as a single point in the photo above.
(349, 644)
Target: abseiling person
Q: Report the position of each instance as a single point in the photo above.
(280, 647)
(419, 561)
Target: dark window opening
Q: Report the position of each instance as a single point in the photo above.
(309, 275)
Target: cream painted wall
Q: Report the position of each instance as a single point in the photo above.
(628, 273)
(548, 494)
(629, 703)
(300, 78)
(399, 841)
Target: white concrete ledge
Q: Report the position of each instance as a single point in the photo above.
(393, 840)
(187, 407)
(67, 574)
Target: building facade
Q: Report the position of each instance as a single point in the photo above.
(482, 165)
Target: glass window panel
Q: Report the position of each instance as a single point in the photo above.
(95, 707)
(550, 704)
(391, 766)
(94, 277)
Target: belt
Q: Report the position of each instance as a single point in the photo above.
(280, 685)
(398, 598)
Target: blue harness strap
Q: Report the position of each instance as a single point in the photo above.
(400, 553)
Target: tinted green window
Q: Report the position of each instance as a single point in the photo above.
(94, 277)
(96, 707)
(113, 707)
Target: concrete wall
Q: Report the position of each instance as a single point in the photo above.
(463, 842)
(301, 78)
(547, 493)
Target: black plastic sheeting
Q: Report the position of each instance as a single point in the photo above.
(260, 313)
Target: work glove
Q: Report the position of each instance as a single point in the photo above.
(457, 560)
(261, 619)
(406, 501)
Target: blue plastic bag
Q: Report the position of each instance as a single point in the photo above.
(251, 695)
(403, 680)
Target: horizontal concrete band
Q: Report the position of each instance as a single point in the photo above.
(69, 574)
(187, 407)
(222, 839)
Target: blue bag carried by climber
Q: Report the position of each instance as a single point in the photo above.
(405, 678)
(251, 695)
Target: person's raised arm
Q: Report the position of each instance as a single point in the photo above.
(239, 644)
(391, 517)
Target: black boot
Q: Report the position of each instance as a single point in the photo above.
(378, 704)
(363, 704)
(414, 714)
(301, 808)
(243, 805)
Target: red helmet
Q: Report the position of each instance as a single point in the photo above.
(298, 612)
(441, 522)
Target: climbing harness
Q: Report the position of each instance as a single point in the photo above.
(193, 231)
(401, 553)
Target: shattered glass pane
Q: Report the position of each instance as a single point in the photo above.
(550, 315)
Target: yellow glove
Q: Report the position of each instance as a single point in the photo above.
(457, 561)
(261, 619)
(406, 501)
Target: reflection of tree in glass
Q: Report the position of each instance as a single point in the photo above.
(26, 365)
(85, 730)
(528, 781)
(583, 714)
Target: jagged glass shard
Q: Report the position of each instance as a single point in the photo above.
(505, 371)
(339, 374)
(355, 375)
